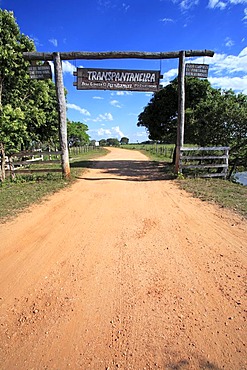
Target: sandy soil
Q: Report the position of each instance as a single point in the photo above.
(123, 271)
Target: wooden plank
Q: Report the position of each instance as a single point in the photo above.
(22, 163)
(182, 157)
(73, 55)
(32, 153)
(205, 148)
(222, 174)
(205, 166)
(209, 175)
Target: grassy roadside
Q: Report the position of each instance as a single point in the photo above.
(26, 190)
(224, 193)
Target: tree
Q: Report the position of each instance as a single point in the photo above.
(92, 142)
(103, 142)
(160, 115)
(112, 142)
(221, 120)
(12, 131)
(30, 101)
(124, 140)
(77, 133)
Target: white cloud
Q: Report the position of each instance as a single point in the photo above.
(68, 67)
(54, 42)
(167, 20)
(103, 117)
(98, 97)
(223, 63)
(169, 76)
(115, 103)
(188, 4)
(125, 7)
(121, 93)
(226, 83)
(212, 4)
(117, 130)
(79, 109)
(245, 15)
(216, 4)
(229, 42)
(101, 131)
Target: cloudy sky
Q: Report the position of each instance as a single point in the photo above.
(135, 25)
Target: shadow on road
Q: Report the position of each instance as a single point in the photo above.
(127, 170)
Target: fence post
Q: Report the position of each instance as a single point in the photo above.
(11, 168)
(226, 152)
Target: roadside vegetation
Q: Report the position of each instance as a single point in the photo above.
(24, 190)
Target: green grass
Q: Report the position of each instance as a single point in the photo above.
(27, 189)
(225, 193)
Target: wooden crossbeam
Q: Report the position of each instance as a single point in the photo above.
(73, 55)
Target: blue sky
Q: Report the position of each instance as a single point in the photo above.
(135, 25)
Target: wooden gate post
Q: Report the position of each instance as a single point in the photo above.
(62, 115)
(181, 108)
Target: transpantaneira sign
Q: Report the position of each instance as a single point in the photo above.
(116, 79)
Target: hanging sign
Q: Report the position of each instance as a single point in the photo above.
(40, 72)
(196, 70)
(116, 79)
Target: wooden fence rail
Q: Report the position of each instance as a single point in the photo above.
(20, 162)
(26, 162)
(205, 160)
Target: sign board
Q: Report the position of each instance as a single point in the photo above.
(116, 79)
(196, 70)
(40, 72)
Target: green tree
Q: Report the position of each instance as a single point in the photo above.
(103, 142)
(35, 100)
(12, 133)
(112, 142)
(77, 133)
(160, 115)
(221, 120)
(124, 140)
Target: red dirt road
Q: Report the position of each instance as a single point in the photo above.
(123, 271)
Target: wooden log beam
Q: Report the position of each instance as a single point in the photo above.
(73, 55)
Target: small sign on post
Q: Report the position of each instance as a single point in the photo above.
(115, 79)
(196, 70)
(40, 72)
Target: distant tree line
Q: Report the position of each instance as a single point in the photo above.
(111, 141)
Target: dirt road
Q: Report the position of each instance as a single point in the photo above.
(123, 271)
